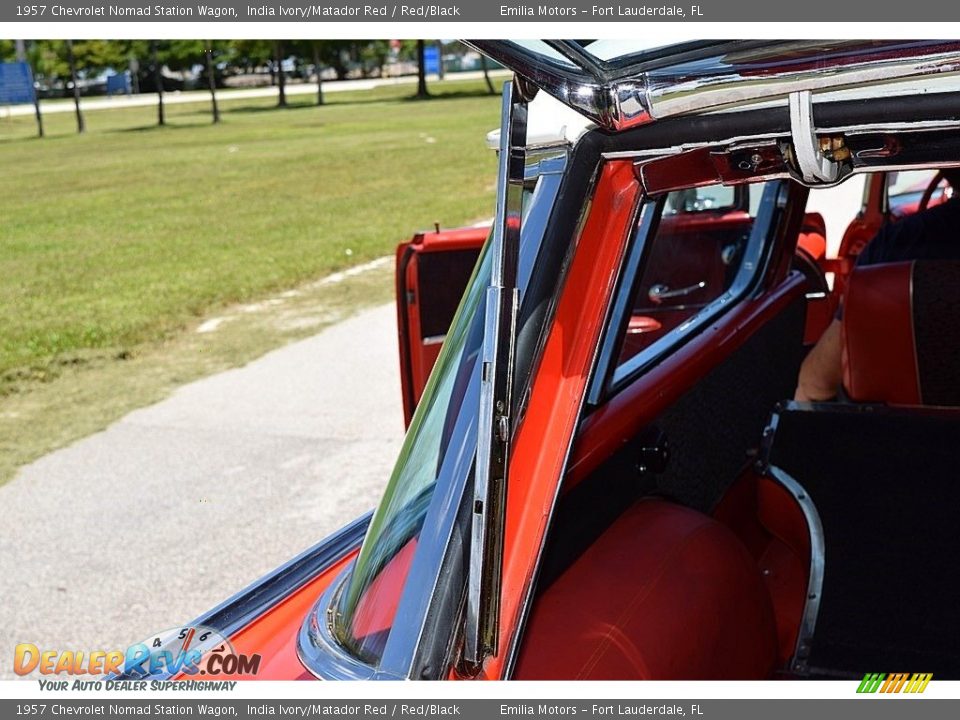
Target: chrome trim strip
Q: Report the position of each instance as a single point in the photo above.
(817, 563)
(577, 55)
(675, 92)
(496, 381)
(618, 96)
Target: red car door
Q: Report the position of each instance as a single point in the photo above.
(432, 273)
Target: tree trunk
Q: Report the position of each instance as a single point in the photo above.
(158, 79)
(281, 78)
(36, 99)
(422, 91)
(76, 86)
(213, 84)
(317, 69)
(486, 74)
(36, 111)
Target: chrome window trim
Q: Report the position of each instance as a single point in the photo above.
(491, 470)
(317, 648)
(610, 342)
(609, 377)
(319, 651)
(811, 607)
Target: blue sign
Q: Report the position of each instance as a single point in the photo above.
(16, 83)
(431, 59)
(119, 83)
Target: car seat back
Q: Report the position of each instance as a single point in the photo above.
(901, 334)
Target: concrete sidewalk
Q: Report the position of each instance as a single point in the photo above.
(179, 505)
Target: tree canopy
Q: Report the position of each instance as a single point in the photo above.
(364, 58)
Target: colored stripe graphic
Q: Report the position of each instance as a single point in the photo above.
(894, 683)
(871, 682)
(919, 682)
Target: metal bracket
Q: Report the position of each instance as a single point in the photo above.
(815, 167)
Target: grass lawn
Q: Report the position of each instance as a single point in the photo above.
(114, 242)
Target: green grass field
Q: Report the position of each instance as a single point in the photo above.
(114, 243)
(123, 235)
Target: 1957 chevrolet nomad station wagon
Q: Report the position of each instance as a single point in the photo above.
(604, 474)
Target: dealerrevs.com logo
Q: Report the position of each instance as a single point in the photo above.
(894, 683)
(187, 651)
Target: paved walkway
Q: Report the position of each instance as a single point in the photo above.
(179, 505)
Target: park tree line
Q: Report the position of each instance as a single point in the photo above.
(64, 66)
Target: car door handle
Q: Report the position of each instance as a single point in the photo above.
(658, 293)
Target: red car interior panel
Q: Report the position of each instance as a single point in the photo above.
(640, 403)
(666, 593)
(771, 525)
(861, 230)
(820, 313)
(868, 222)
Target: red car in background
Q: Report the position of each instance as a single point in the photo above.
(604, 476)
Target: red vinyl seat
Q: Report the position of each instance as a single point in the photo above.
(901, 334)
(665, 593)
(813, 236)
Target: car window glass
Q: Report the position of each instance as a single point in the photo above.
(692, 256)
(692, 200)
(905, 190)
(366, 607)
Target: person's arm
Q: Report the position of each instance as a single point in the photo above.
(821, 371)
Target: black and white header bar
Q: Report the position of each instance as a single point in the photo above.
(94, 11)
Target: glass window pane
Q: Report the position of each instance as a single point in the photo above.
(905, 190)
(692, 259)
